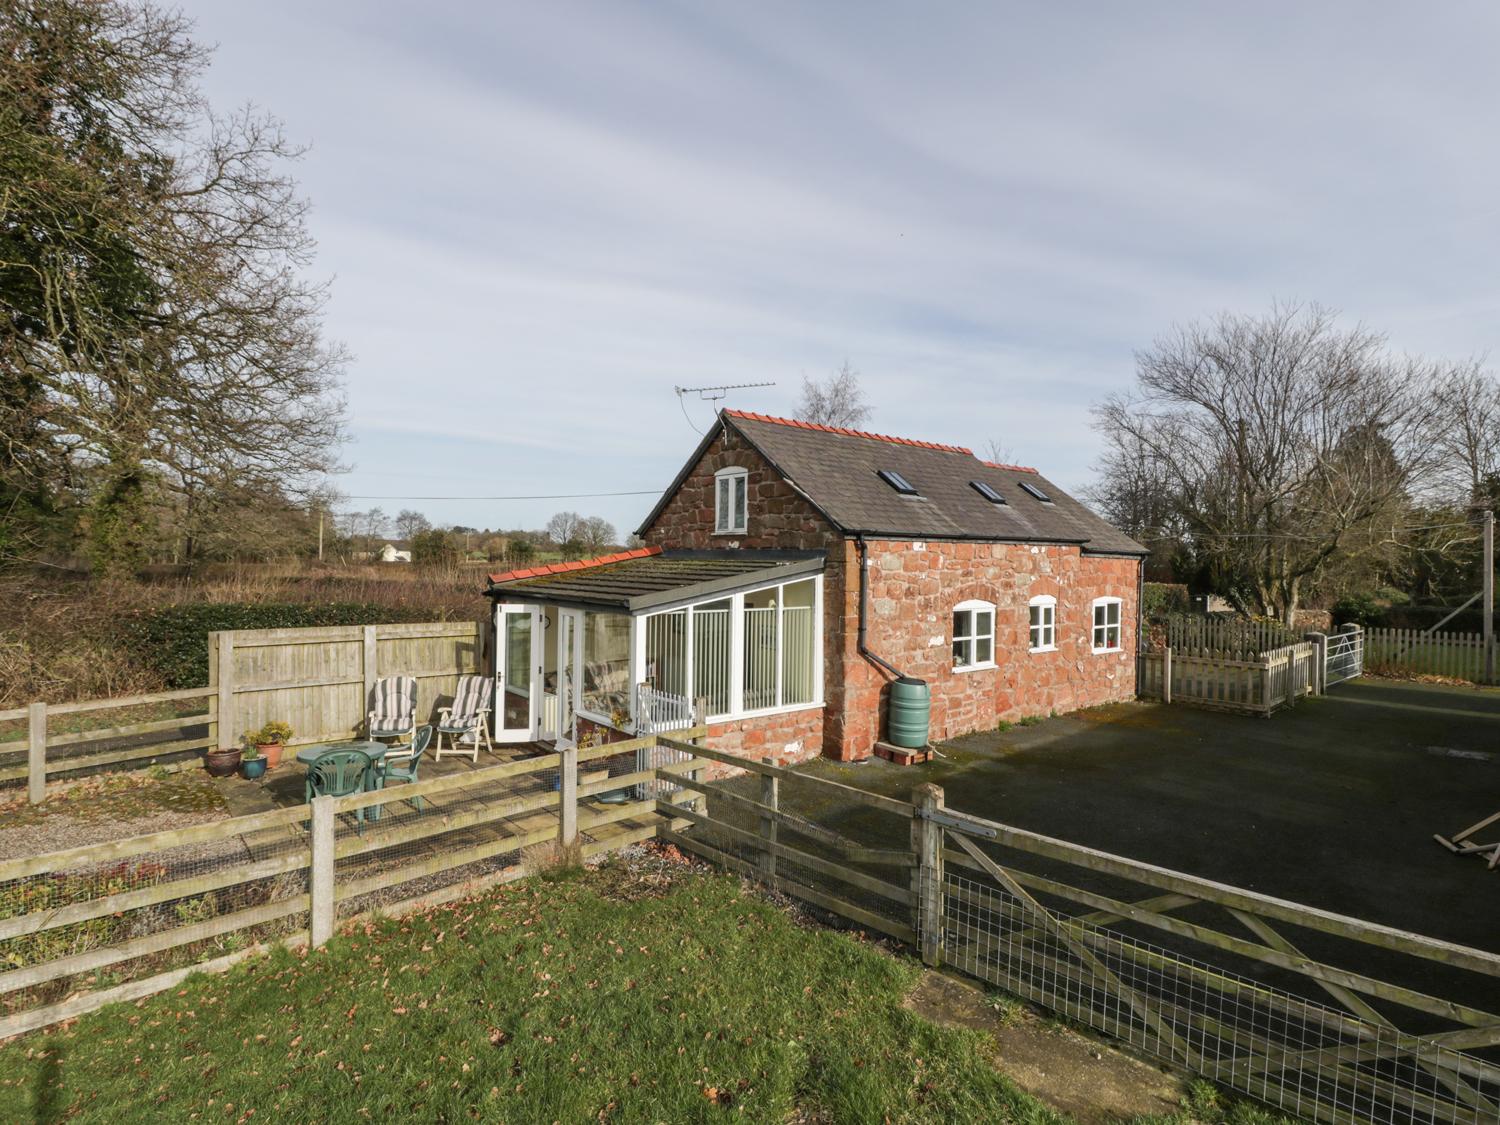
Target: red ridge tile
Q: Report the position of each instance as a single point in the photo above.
(577, 564)
(1012, 468)
(847, 432)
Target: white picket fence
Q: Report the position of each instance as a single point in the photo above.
(1256, 687)
(1459, 656)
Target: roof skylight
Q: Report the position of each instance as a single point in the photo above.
(897, 481)
(986, 491)
(1035, 491)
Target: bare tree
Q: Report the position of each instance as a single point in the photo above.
(410, 524)
(998, 453)
(1466, 439)
(1281, 446)
(595, 534)
(835, 401)
(564, 527)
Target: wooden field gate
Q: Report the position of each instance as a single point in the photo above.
(1319, 1015)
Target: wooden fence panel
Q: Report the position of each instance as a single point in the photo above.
(318, 680)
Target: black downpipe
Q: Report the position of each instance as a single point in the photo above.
(864, 612)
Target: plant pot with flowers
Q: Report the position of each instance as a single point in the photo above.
(252, 763)
(271, 740)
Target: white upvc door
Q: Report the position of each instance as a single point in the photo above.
(517, 672)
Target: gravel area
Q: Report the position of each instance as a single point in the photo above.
(56, 833)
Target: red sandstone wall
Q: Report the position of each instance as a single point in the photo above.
(777, 516)
(912, 595)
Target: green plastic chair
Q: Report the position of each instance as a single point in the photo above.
(400, 762)
(337, 774)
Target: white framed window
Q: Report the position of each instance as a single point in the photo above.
(1106, 624)
(753, 653)
(729, 501)
(973, 635)
(1043, 623)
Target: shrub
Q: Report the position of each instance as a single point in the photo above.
(1160, 599)
(174, 641)
(1360, 609)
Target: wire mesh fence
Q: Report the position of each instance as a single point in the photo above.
(91, 919)
(1302, 1057)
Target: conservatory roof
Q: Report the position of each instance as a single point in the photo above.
(650, 578)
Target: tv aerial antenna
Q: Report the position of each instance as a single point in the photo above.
(712, 394)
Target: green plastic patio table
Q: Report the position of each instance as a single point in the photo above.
(376, 750)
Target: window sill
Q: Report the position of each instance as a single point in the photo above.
(987, 666)
(764, 712)
(730, 534)
(1044, 648)
(1106, 651)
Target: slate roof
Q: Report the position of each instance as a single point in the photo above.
(837, 471)
(646, 578)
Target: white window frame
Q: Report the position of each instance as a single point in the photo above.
(974, 607)
(1101, 628)
(734, 477)
(1047, 626)
(737, 650)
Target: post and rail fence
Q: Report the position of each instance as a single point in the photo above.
(1291, 1005)
(122, 920)
(318, 680)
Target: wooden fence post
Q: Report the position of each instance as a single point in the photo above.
(1319, 641)
(226, 691)
(322, 914)
(567, 794)
(36, 753)
(1166, 674)
(700, 719)
(770, 796)
(927, 876)
(367, 662)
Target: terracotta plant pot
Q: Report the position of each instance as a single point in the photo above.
(221, 763)
(271, 751)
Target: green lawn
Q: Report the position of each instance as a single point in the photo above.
(595, 997)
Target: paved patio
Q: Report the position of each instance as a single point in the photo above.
(1332, 804)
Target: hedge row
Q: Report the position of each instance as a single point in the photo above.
(1407, 617)
(174, 641)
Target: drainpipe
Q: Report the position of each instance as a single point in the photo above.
(864, 611)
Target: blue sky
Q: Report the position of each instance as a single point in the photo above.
(539, 218)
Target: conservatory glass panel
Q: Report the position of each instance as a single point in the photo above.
(606, 663)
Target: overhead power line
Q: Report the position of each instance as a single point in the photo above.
(538, 496)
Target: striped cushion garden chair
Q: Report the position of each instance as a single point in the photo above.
(393, 709)
(467, 718)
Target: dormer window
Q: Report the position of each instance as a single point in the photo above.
(729, 501)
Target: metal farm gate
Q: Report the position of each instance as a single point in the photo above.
(1344, 658)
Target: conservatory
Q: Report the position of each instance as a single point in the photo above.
(638, 638)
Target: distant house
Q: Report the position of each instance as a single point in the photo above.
(792, 571)
(391, 554)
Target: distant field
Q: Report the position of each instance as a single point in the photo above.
(64, 638)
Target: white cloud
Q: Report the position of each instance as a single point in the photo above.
(542, 217)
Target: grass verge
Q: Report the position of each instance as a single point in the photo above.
(572, 998)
